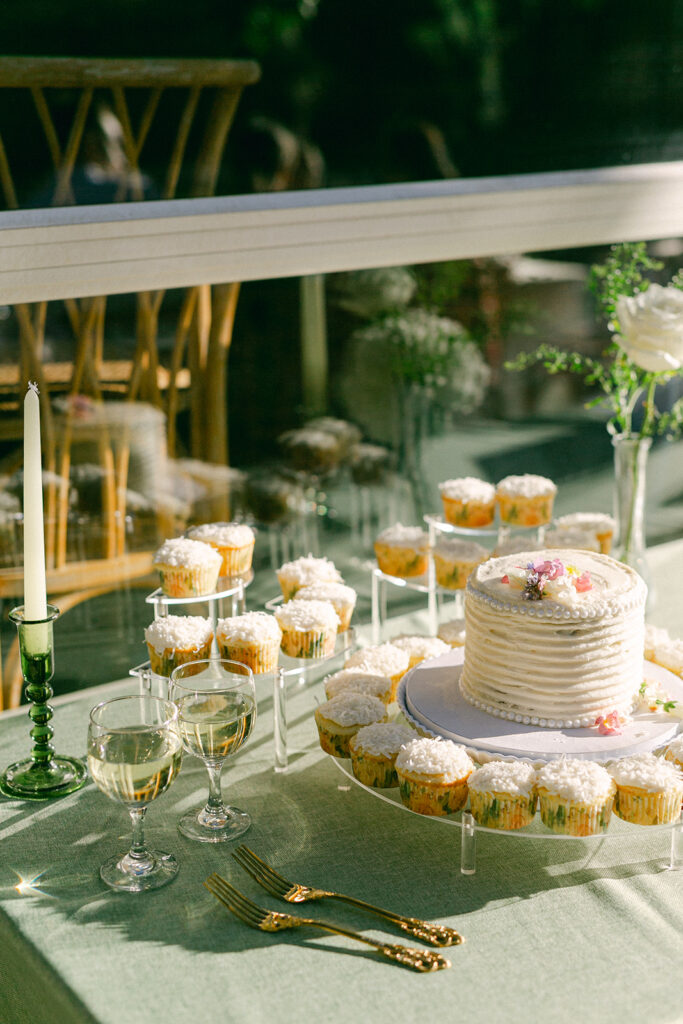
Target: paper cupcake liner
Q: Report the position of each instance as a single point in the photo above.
(452, 575)
(468, 513)
(236, 561)
(403, 562)
(163, 664)
(308, 643)
(259, 658)
(519, 511)
(344, 611)
(641, 807)
(432, 797)
(502, 810)
(375, 771)
(333, 740)
(188, 582)
(574, 818)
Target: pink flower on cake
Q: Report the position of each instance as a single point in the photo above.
(609, 725)
(550, 569)
(583, 583)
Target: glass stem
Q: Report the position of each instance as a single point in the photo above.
(214, 805)
(138, 851)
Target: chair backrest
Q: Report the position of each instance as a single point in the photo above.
(101, 123)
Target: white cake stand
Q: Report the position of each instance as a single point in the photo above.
(429, 696)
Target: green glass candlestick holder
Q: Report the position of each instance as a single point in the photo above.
(44, 775)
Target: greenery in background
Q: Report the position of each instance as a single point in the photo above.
(623, 384)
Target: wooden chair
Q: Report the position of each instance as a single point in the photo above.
(100, 114)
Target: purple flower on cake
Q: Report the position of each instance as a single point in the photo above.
(548, 578)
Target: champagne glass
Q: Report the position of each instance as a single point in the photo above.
(134, 754)
(216, 703)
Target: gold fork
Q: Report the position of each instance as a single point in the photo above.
(291, 892)
(272, 921)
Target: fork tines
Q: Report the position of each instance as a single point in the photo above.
(261, 872)
(240, 905)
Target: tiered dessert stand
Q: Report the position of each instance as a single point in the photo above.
(487, 536)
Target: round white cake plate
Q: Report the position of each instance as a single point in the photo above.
(429, 696)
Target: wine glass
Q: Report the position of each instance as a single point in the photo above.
(216, 703)
(134, 754)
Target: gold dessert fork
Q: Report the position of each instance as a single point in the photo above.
(291, 892)
(271, 921)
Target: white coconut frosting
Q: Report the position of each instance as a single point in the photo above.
(597, 522)
(251, 628)
(675, 748)
(355, 680)
(224, 535)
(452, 632)
(353, 709)
(528, 485)
(181, 552)
(443, 758)
(380, 659)
(516, 778)
(579, 781)
(454, 550)
(309, 569)
(178, 632)
(559, 661)
(305, 615)
(384, 739)
(335, 593)
(468, 488)
(404, 537)
(420, 648)
(645, 771)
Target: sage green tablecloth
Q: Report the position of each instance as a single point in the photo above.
(556, 930)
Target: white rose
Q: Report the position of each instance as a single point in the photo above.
(651, 328)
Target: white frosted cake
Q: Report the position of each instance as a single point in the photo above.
(554, 638)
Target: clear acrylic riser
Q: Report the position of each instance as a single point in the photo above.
(231, 589)
(617, 831)
(437, 596)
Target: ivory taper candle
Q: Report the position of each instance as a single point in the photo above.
(35, 600)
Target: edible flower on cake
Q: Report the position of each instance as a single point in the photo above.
(549, 578)
(652, 697)
(610, 724)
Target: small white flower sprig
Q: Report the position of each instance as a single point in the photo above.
(646, 321)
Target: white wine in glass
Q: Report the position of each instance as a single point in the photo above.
(216, 703)
(134, 754)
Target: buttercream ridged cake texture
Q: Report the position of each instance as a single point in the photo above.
(554, 638)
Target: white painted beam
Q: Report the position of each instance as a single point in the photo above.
(79, 251)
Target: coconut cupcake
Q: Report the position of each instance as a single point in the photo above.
(468, 501)
(503, 794)
(356, 680)
(526, 500)
(454, 560)
(188, 568)
(303, 572)
(600, 525)
(649, 789)
(339, 719)
(577, 539)
(575, 797)
(432, 775)
(382, 660)
(674, 752)
(176, 640)
(452, 632)
(309, 628)
(252, 639)
(341, 597)
(420, 648)
(403, 551)
(373, 753)
(233, 541)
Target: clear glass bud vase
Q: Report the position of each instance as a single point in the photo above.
(630, 469)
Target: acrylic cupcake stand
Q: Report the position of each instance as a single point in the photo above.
(429, 699)
(232, 589)
(487, 536)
